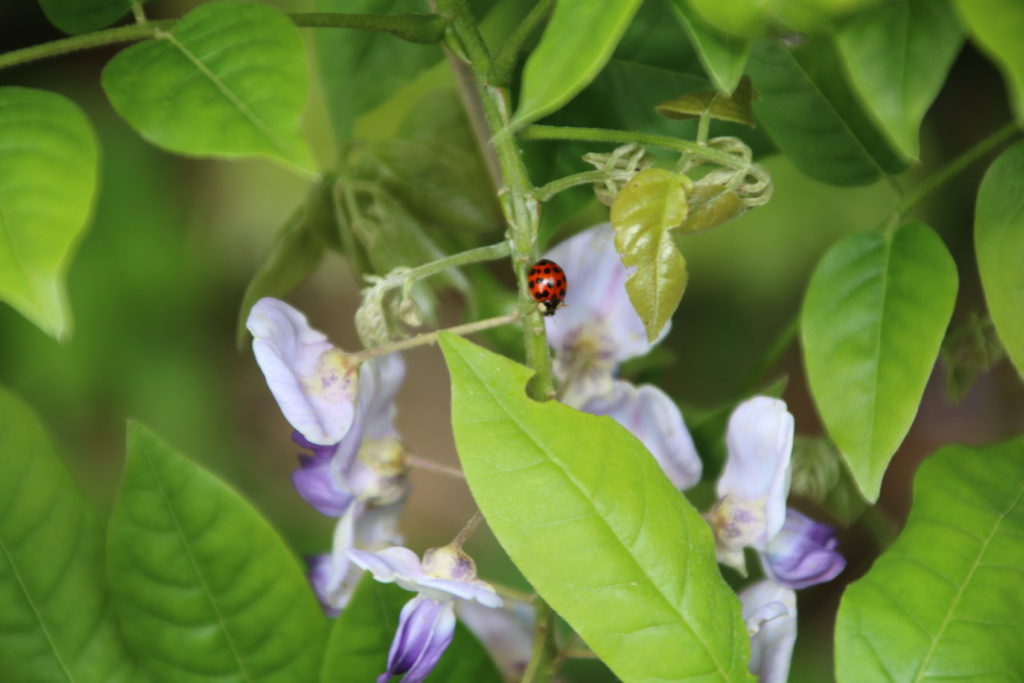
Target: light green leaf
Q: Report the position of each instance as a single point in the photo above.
(944, 602)
(228, 81)
(56, 623)
(203, 586)
(643, 214)
(996, 27)
(736, 17)
(358, 646)
(82, 16)
(897, 55)
(808, 109)
(579, 39)
(723, 56)
(872, 323)
(586, 514)
(724, 107)
(999, 243)
(48, 164)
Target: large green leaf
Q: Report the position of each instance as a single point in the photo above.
(999, 243)
(996, 27)
(578, 41)
(362, 69)
(944, 602)
(358, 646)
(48, 165)
(722, 55)
(643, 214)
(872, 323)
(737, 17)
(82, 16)
(809, 111)
(228, 81)
(587, 515)
(204, 587)
(897, 55)
(56, 623)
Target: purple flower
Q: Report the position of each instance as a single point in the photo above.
(506, 633)
(425, 629)
(769, 611)
(803, 553)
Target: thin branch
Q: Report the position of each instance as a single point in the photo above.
(431, 337)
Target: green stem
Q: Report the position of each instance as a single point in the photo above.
(415, 28)
(947, 172)
(546, 192)
(545, 651)
(505, 63)
(489, 253)
(539, 132)
(431, 337)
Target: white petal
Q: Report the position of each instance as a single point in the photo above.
(654, 418)
(379, 381)
(770, 614)
(391, 564)
(756, 473)
(314, 383)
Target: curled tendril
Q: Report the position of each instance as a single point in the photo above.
(619, 167)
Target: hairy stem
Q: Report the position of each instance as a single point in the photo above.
(431, 337)
(490, 252)
(546, 192)
(415, 28)
(435, 467)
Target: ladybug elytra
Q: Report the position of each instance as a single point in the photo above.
(547, 285)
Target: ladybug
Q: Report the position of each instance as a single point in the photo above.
(547, 285)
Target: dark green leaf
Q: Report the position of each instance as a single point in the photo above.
(944, 602)
(722, 55)
(586, 514)
(358, 646)
(203, 585)
(228, 81)
(579, 39)
(48, 164)
(82, 16)
(995, 26)
(820, 476)
(56, 623)
(873, 319)
(734, 107)
(970, 348)
(897, 55)
(999, 243)
(807, 108)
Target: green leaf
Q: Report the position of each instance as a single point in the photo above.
(204, 587)
(970, 348)
(736, 17)
(722, 55)
(361, 69)
(807, 108)
(228, 81)
(999, 243)
(579, 39)
(734, 107)
(82, 16)
(586, 514)
(944, 601)
(996, 26)
(358, 646)
(897, 55)
(56, 623)
(873, 319)
(820, 476)
(643, 214)
(48, 165)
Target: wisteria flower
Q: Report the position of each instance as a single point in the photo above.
(803, 553)
(506, 634)
(426, 625)
(769, 611)
(313, 382)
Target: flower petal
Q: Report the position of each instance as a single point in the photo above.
(379, 381)
(770, 613)
(315, 482)
(425, 629)
(654, 418)
(756, 474)
(803, 553)
(313, 383)
(506, 633)
(390, 564)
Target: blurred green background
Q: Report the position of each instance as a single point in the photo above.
(158, 280)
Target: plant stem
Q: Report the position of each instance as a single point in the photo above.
(431, 337)
(436, 467)
(546, 192)
(544, 652)
(505, 63)
(467, 530)
(489, 253)
(539, 132)
(947, 172)
(415, 28)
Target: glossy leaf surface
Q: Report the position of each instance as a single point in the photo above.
(898, 55)
(587, 515)
(579, 39)
(361, 637)
(734, 107)
(736, 17)
(203, 586)
(228, 81)
(722, 55)
(643, 214)
(872, 323)
(48, 166)
(81, 16)
(996, 26)
(944, 601)
(56, 621)
(999, 244)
